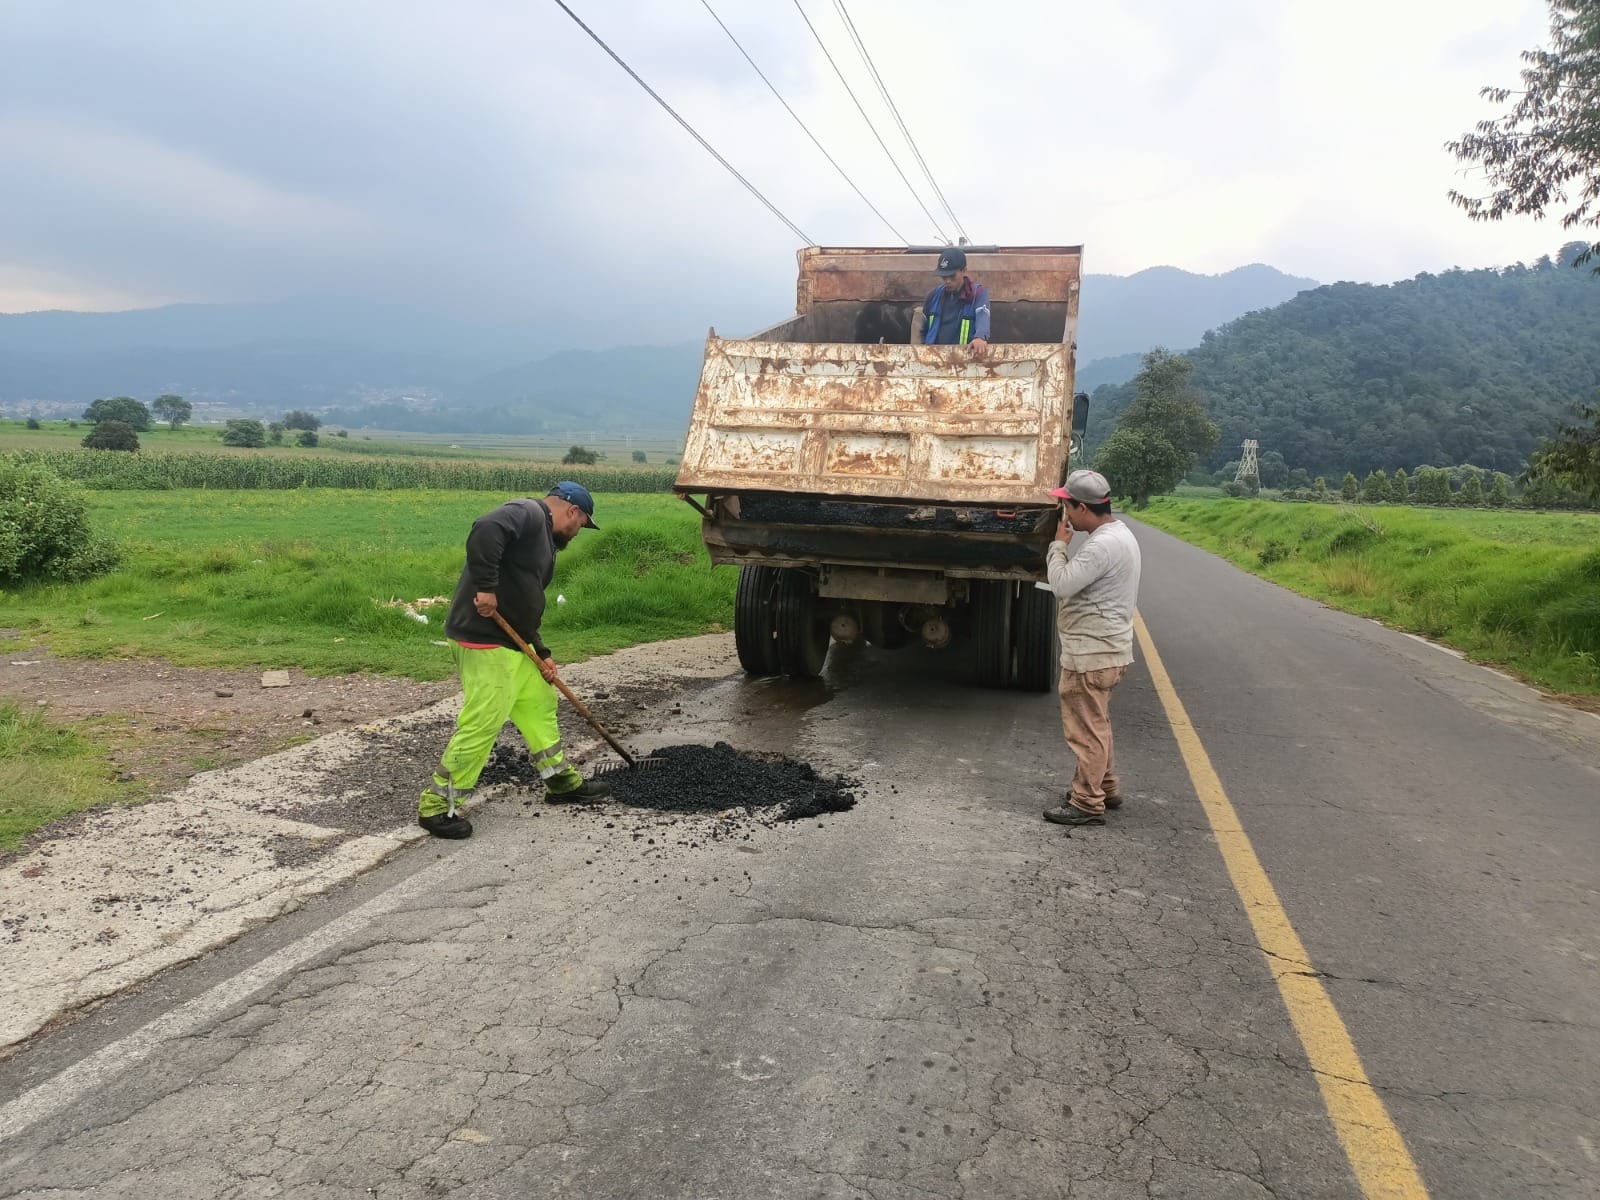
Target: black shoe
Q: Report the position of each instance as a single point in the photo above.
(1070, 814)
(445, 826)
(1113, 800)
(588, 790)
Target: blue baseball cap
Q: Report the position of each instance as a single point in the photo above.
(576, 493)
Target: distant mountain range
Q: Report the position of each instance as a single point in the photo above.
(402, 367)
(1460, 367)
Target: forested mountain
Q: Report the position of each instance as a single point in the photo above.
(1462, 367)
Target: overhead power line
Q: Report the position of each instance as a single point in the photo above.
(690, 129)
(802, 124)
(934, 221)
(883, 90)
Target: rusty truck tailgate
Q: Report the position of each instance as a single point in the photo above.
(895, 422)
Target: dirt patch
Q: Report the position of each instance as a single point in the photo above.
(169, 723)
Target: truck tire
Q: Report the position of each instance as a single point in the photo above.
(1033, 637)
(991, 631)
(754, 634)
(802, 637)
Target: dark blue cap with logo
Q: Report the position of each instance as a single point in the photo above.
(951, 262)
(577, 494)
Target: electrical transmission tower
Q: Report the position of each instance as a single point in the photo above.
(1247, 461)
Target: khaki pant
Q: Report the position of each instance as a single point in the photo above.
(1086, 719)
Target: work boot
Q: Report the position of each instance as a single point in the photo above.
(1113, 800)
(1068, 813)
(445, 826)
(588, 790)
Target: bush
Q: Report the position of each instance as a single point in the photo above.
(344, 433)
(307, 438)
(275, 433)
(578, 455)
(33, 422)
(638, 456)
(1235, 489)
(242, 432)
(44, 529)
(112, 435)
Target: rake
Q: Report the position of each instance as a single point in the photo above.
(583, 709)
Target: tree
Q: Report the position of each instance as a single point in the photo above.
(1375, 487)
(307, 438)
(275, 433)
(1140, 463)
(1166, 404)
(1545, 151)
(300, 419)
(33, 423)
(1319, 488)
(639, 456)
(112, 435)
(1351, 489)
(1400, 486)
(1500, 491)
(1471, 489)
(174, 410)
(1433, 485)
(1572, 457)
(119, 408)
(577, 454)
(251, 434)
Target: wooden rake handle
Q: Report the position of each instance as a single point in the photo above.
(583, 710)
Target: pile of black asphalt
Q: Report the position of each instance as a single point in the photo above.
(693, 779)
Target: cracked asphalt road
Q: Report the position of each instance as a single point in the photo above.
(936, 994)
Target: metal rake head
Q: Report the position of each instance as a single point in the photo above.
(646, 763)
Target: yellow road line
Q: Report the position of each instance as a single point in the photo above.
(1376, 1151)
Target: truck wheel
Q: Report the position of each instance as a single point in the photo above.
(991, 631)
(753, 630)
(802, 638)
(1033, 635)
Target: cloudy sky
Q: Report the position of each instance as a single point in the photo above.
(486, 157)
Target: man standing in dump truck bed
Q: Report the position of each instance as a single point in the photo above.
(1096, 591)
(511, 555)
(956, 313)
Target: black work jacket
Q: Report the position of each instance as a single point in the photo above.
(512, 553)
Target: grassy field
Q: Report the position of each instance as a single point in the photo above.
(306, 579)
(537, 448)
(1519, 590)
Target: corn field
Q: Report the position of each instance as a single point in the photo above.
(114, 470)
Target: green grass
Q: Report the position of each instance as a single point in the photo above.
(1517, 589)
(302, 577)
(49, 771)
(534, 448)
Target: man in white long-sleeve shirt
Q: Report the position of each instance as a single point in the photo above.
(1096, 591)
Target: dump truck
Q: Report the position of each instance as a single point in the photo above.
(872, 488)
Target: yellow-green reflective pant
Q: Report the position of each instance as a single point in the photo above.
(499, 685)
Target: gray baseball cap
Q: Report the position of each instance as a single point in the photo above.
(1086, 487)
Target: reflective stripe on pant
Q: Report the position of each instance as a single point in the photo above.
(1086, 720)
(498, 685)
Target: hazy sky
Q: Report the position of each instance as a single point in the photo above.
(485, 156)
